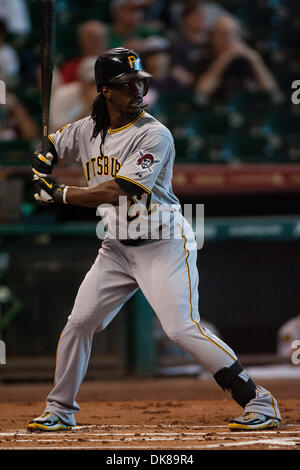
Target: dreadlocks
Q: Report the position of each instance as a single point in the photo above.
(101, 119)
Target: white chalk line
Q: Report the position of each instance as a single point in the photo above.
(163, 426)
(283, 441)
(277, 442)
(103, 438)
(142, 434)
(182, 434)
(270, 442)
(273, 443)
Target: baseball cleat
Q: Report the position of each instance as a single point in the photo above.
(253, 422)
(48, 422)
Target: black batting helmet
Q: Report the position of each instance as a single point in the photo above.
(119, 65)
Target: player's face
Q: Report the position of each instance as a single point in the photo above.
(127, 97)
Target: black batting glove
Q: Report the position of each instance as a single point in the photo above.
(42, 165)
(47, 191)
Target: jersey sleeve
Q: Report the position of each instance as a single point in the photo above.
(142, 168)
(66, 142)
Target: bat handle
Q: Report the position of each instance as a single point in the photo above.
(44, 140)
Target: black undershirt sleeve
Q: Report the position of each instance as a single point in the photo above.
(130, 187)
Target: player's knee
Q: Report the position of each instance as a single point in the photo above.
(82, 324)
(173, 333)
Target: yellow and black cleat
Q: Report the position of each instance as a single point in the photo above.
(253, 422)
(48, 422)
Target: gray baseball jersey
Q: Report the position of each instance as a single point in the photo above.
(139, 155)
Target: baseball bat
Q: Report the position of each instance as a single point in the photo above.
(47, 60)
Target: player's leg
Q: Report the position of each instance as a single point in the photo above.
(171, 286)
(104, 290)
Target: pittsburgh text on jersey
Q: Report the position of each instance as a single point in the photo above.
(101, 165)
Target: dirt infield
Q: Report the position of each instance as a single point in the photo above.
(167, 413)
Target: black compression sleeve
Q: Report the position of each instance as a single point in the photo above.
(130, 187)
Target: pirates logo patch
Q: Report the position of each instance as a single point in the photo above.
(145, 162)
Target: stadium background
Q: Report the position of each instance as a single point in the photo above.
(241, 160)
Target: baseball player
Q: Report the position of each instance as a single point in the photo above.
(127, 155)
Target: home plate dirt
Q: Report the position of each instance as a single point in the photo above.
(173, 413)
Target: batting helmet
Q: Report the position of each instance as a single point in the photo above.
(119, 65)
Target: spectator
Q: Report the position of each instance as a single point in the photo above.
(16, 16)
(156, 60)
(15, 121)
(287, 334)
(73, 101)
(9, 60)
(188, 48)
(231, 65)
(92, 40)
(128, 28)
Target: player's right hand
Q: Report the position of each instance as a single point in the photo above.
(46, 190)
(42, 165)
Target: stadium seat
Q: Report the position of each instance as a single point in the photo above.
(292, 148)
(282, 120)
(246, 101)
(246, 148)
(250, 14)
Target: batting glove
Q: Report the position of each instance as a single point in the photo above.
(47, 191)
(42, 165)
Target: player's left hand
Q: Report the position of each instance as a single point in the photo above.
(42, 165)
(47, 191)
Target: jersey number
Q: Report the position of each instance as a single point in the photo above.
(143, 201)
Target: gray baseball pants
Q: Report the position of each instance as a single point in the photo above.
(167, 274)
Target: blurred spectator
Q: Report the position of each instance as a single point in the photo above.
(92, 41)
(212, 11)
(9, 60)
(231, 65)
(16, 16)
(73, 101)
(128, 28)
(15, 121)
(156, 60)
(160, 13)
(197, 19)
(287, 334)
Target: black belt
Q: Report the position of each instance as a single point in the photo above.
(139, 241)
(136, 242)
